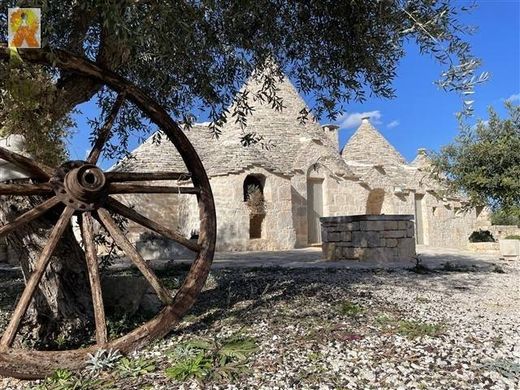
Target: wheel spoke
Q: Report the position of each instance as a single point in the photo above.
(124, 188)
(29, 216)
(34, 279)
(104, 132)
(137, 217)
(87, 232)
(28, 165)
(25, 189)
(121, 241)
(146, 176)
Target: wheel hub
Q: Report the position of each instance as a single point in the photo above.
(80, 185)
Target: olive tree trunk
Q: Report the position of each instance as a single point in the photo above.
(61, 311)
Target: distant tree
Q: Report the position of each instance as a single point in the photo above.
(192, 54)
(484, 162)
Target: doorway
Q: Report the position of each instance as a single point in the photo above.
(314, 209)
(419, 222)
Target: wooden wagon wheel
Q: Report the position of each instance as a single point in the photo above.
(83, 189)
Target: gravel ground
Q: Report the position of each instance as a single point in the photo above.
(454, 328)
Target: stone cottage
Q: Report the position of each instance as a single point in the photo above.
(271, 197)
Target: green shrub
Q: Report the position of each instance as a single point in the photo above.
(513, 237)
(503, 217)
(481, 236)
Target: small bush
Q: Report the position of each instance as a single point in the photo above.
(503, 217)
(513, 237)
(481, 236)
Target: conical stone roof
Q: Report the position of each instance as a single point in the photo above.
(367, 145)
(286, 138)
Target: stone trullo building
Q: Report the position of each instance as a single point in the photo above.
(272, 198)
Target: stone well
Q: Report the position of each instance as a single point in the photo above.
(368, 237)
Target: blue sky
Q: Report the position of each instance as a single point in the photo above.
(422, 115)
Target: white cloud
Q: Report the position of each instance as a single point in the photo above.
(513, 98)
(353, 119)
(393, 124)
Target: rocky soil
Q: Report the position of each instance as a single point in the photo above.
(453, 328)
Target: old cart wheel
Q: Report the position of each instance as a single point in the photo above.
(81, 188)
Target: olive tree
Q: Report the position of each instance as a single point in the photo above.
(484, 162)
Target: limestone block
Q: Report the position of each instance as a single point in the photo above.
(359, 239)
(410, 232)
(334, 236)
(403, 225)
(406, 248)
(371, 225)
(391, 242)
(390, 225)
(373, 238)
(377, 254)
(328, 250)
(349, 253)
(346, 236)
(394, 234)
(325, 235)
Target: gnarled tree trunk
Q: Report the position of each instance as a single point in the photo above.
(61, 311)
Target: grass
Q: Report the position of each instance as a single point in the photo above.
(350, 309)
(409, 328)
(415, 329)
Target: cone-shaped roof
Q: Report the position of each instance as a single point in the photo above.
(285, 138)
(421, 160)
(367, 145)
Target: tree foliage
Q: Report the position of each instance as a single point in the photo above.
(484, 161)
(192, 54)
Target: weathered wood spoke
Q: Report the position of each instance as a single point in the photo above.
(121, 241)
(28, 165)
(28, 216)
(87, 232)
(34, 279)
(146, 176)
(124, 188)
(127, 212)
(104, 132)
(25, 189)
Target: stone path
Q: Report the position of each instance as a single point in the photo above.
(311, 258)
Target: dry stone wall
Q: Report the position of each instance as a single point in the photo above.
(368, 237)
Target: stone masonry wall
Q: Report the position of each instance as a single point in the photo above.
(368, 237)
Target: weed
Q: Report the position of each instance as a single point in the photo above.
(314, 356)
(351, 309)
(409, 328)
(66, 380)
(415, 329)
(102, 360)
(135, 367)
(197, 367)
(422, 299)
(203, 359)
(385, 321)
